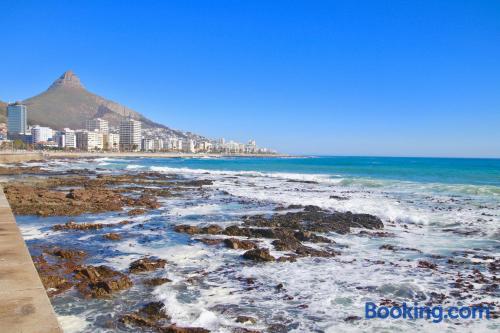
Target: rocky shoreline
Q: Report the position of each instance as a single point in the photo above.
(293, 231)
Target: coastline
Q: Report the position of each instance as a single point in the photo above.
(65, 154)
(162, 235)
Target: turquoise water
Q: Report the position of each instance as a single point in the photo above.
(426, 170)
(442, 211)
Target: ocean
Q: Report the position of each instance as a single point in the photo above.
(440, 210)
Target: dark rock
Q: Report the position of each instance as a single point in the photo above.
(338, 197)
(68, 254)
(101, 281)
(177, 329)
(72, 225)
(148, 201)
(187, 229)
(315, 219)
(136, 211)
(156, 281)
(211, 241)
(246, 319)
(154, 311)
(146, 265)
(259, 255)
(112, 236)
(238, 244)
(426, 264)
(307, 236)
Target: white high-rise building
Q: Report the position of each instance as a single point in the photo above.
(17, 119)
(69, 138)
(130, 135)
(97, 124)
(188, 146)
(41, 134)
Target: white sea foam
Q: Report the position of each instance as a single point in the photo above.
(205, 209)
(70, 324)
(134, 166)
(31, 232)
(332, 288)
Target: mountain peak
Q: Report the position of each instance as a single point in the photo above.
(67, 79)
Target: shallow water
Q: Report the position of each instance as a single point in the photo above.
(441, 207)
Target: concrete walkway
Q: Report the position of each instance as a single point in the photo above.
(24, 305)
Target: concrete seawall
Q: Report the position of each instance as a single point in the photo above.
(24, 305)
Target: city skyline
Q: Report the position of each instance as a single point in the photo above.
(99, 135)
(301, 78)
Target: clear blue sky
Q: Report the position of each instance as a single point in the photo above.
(314, 77)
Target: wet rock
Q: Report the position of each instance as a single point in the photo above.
(147, 264)
(288, 244)
(149, 315)
(388, 247)
(134, 319)
(351, 319)
(306, 251)
(55, 284)
(196, 183)
(154, 311)
(67, 254)
(101, 281)
(315, 219)
(136, 211)
(34, 200)
(148, 201)
(187, 229)
(238, 244)
(244, 330)
(211, 241)
(112, 236)
(159, 192)
(72, 225)
(156, 281)
(307, 236)
(212, 229)
(494, 267)
(426, 264)
(338, 197)
(287, 258)
(246, 319)
(377, 234)
(177, 329)
(261, 255)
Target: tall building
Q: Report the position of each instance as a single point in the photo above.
(69, 138)
(130, 135)
(60, 139)
(98, 124)
(17, 119)
(41, 134)
(112, 141)
(188, 146)
(88, 141)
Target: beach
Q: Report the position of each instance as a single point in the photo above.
(268, 244)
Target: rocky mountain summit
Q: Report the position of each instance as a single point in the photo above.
(67, 103)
